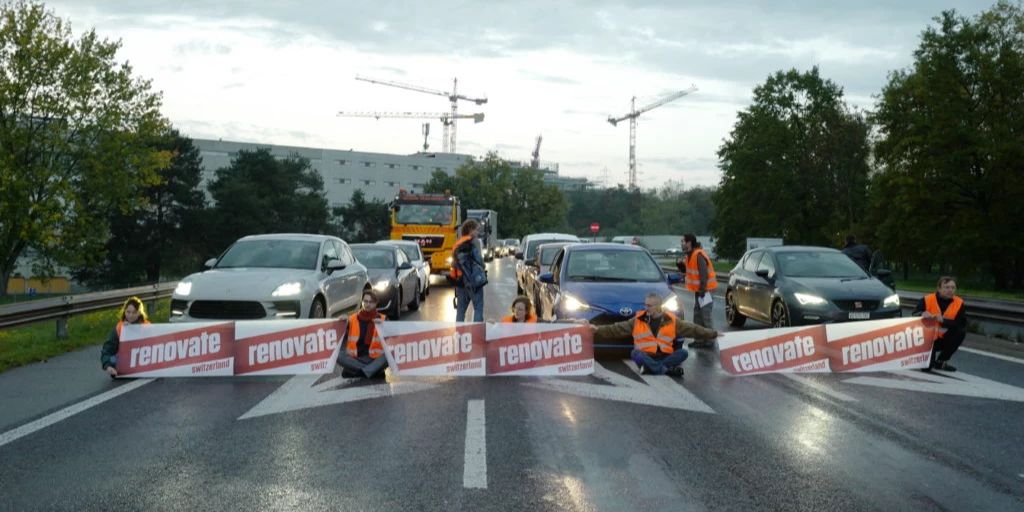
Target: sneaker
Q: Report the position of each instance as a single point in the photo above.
(641, 369)
(675, 372)
(945, 366)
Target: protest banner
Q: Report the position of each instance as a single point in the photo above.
(539, 349)
(785, 349)
(434, 348)
(202, 349)
(880, 345)
(288, 347)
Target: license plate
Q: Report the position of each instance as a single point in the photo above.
(860, 315)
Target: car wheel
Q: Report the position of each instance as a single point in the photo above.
(780, 315)
(732, 314)
(426, 289)
(415, 304)
(318, 309)
(395, 312)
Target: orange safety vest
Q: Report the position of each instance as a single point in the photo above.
(646, 341)
(693, 274)
(120, 325)
(352, 347)
(511, 319)
(931, 305)
(455, 272)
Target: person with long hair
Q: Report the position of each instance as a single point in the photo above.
(133, 311)
(522, 312)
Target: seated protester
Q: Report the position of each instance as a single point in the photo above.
(948, 310)
(654, 332)
(363, 354)
(522, 311)
(132, 312)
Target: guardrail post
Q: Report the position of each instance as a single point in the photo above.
(62, 328)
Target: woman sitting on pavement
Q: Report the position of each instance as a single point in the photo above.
(132, 312)
(522, 311)
(363, 354)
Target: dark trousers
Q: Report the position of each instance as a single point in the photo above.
(364, 365)
(947, 345)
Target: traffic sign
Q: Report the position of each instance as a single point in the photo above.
(594, 227)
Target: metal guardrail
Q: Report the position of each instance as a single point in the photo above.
(62, 308)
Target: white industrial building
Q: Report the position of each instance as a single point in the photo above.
(378, 175)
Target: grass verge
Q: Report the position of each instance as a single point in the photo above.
(38, 342)
(964, 289)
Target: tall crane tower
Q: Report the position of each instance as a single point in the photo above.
(446, 120)
(535, 160)
(635, 113)
(454, 97)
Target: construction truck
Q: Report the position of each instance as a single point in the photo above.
(488, 234)
(430, 220)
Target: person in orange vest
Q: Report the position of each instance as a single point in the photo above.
(362, 355)
(654, 332)
(522, 312)
(948, 310)
(132, 312)
(700, 279)
(467, 266)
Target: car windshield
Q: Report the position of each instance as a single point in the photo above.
(440, 214)
(547, 254)
(612, 265)
(271, 254)
(818, 264)
(531, 247)
(374, 258)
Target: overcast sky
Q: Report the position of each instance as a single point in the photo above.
(277, 72)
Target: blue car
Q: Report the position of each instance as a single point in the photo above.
(603, 283)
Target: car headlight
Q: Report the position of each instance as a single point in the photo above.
(184, 288)
(806, 299)
(573, 304)
(672, 304)
(448, 260)
(892, 300)
(287, 289)
(381, 285)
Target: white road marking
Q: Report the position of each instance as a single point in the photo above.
(300, 393)
(817, 386)
(990, 354)
(474, 471)
(67, 412)
(960, 384)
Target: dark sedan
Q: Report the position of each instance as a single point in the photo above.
(603, 283)
(392, 275)
(797, 285)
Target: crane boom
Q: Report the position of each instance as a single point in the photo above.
(450, 95)
(632, 115)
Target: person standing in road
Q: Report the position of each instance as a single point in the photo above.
(700, 279)
(522, 312)
(132, 312)
(654, 332)
(948, 310)
(468, 273)
(363, 354)
(859, 253)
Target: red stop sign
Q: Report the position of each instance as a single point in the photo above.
(594, 227)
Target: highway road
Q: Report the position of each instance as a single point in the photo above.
(72, 439)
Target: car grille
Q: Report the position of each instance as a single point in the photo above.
(426, 241)
(227, 310)
(857, 305)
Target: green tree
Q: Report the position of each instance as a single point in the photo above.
(160, 235)
(77, 138)
(361, 220)
(951, 148)
(525, 204)
(259, 193)
(794, 166)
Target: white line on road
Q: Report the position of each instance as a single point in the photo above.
(817, 386)
(474, 472)
(990, 354)
(67, 412)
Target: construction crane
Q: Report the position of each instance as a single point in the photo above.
(426, 133)
(535, 161)
(454, 97)
(446, 120)
(635, 113)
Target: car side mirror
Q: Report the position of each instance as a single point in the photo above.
(762, 272)
(405, 266)
(335, 264)
(210, 263)
(546, 277)
(674, 277)
(519, 255)
(883, 272)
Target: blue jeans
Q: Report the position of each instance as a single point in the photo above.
(659, 366)
(463, 296)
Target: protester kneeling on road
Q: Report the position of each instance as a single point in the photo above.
(132, 312)
(654, 332)
(364, 353)
(948, 310)
(522, 312)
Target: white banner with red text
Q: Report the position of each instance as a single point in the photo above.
(866, 346)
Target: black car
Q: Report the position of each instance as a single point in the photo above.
(392, 276)
(796, 285)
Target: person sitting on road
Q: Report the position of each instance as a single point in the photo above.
(132, 312)
(364, 353)
(654, 334)
(522, 311)
(948, 310)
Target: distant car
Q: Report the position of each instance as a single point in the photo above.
(540, 264)
(393, 277)
(510, 246)
(527, 250)
(674, 251)
(415, 255)
(603, 283)
(796, 285)
(273, 276)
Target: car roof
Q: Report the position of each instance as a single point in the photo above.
(609, 246)
(551, 236)
(368, 245)
(290, 236)
(396, 242)
(795, 248)
(558, 243)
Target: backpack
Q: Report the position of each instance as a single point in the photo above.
(465, 271)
